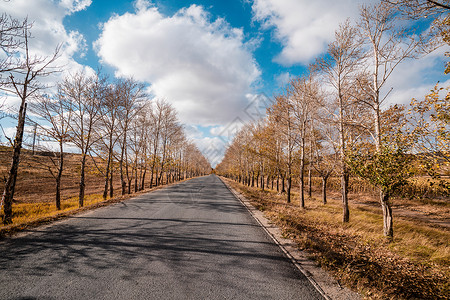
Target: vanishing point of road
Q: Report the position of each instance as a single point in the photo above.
(193, 240)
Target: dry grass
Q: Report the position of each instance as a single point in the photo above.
(30, 212)
(36, 184)
(34, 199)
(421, 189)
(415, 265)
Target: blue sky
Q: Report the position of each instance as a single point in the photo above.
(238, 13)
(217, 62)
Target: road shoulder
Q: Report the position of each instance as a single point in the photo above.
(321, 280)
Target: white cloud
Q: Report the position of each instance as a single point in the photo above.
(217, 130)
(75, 5)
(283, 79)
(192, 132)
(203, 67)
(48, 31)
(414, 78)
(304, 27)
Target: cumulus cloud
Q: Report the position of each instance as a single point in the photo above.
(48, 31)
(303, 27)
(218, 130)
(203, 66)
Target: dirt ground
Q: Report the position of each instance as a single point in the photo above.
(433, 212)
(35, 182)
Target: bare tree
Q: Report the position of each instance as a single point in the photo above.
(283, 113)
(304, 95)
(56, 119)
(108, 132)
(82, 95)
(388, 46)
(12, 32)
(420, 8)
(138, 145)
(339, 67)
(325, 156)
(130, 95)
(169, 131)
(163, 126)
(435, 10)
(23, 82)
(156, 124)
(277, 156)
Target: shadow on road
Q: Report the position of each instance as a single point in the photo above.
(192, 234)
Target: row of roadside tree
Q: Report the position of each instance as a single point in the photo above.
(114, 121)
(335, 120)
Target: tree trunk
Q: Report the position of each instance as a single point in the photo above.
(309, 163)
(58, 193)
(122, 155)
(345, 175)
(160, 177)
(82, 182)
(59, 176)
(302, 183)
(143, 179)
(344, 186)
(105, 189)
(10, 185)
(139, 178)
(122, 179)
(135, 177)
(324, 189)
(387, 215)
(127, 170)
(289, 184)
(111, 183)
(309, 181)
(151, 176)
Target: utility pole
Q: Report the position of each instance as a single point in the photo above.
(34, 135)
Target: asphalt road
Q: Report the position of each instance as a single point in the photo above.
(193, 240)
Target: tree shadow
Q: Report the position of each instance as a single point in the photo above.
(210, 242)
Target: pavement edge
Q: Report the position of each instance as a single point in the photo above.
(326, 285)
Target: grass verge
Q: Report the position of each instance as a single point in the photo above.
(415, 265)
(30, 215)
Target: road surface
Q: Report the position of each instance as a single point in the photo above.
(193, 240)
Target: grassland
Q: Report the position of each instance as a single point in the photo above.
(34, 199)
